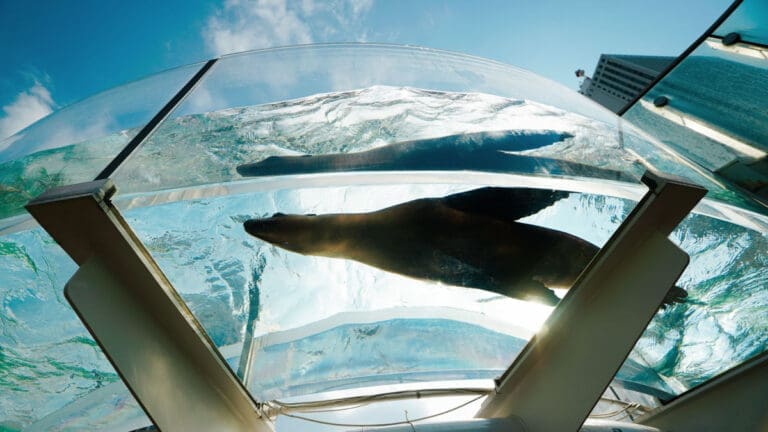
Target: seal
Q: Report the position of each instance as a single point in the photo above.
(483, 151)
(471, 239)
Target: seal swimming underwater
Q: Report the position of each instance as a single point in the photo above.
(481, 151)
(470, 239)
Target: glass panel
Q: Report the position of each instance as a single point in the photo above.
(110, 407)
(422, 124)
(299, 306)
(346, 98)
(298, 104)
(49, 365)
(318, 322)
(74, 144)
(51, 372)
(750, 20)
(722, 323)
(715, 116)
(712, 109)
(364, 130)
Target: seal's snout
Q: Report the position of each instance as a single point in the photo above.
(275, 228)
(255, 227)
(290, 232)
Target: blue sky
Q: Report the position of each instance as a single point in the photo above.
(55, 53)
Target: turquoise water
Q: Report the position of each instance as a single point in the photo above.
(719, 326)
(24, 179)
(47, 358)
(192, 226)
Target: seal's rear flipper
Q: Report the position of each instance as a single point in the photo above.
(509, 141)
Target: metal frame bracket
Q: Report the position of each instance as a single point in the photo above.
(155, 343)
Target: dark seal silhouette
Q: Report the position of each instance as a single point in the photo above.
(482, 151)
(470, 239)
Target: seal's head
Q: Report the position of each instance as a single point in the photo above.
(305, 234)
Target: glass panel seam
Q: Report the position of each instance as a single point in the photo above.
(115, 163)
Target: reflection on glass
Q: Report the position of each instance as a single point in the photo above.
(716, 115)
(74, 144)
(744, 49)
(750, 20)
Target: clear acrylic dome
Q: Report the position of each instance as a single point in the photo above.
(342, 129)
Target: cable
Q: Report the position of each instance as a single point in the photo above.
(282, 408)
(365, 399)
(624, 403)
(627, 406)
(323, 410)
(402, 422)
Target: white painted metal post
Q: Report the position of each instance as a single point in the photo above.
(154, 342)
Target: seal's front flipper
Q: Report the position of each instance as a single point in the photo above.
(533, 291)
(674, 295)
(504, 204)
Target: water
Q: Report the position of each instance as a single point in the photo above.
(24, 179)
(47, 358)
(207, 148)
(182, 195)
(205, 252)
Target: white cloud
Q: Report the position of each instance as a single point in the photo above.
(360, 7)
(28, 107)
(252, 24)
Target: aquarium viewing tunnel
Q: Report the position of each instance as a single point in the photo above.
(337, 237)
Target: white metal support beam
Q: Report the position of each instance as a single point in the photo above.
(154, 342)
(557, 379)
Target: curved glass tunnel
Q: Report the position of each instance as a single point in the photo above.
(342, 129)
